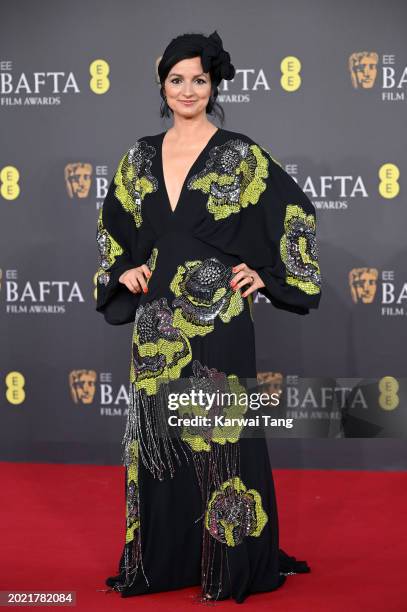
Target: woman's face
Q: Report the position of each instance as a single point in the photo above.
(188, 88)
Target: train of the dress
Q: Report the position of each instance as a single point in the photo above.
(288, 565)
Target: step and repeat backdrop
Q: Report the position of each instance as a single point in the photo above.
(323, 86)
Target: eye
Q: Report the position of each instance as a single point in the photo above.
(175, 80)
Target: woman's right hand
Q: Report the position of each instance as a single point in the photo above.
(134, 279)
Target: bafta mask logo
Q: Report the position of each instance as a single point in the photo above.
(363, 284)
(363, 69)
(271, 382)
(78, 178)
(82, 384)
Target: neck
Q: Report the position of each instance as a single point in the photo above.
(192, 128)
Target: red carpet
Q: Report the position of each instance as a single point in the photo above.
(62, 529)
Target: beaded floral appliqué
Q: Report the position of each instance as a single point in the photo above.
(133, 178)
(160, 349)
(214, 382)
(152, 262)
(298, 250)
(109, 249)
(232, 177)
(234, 512)
(203, 292)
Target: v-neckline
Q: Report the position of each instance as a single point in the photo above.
(194, 163)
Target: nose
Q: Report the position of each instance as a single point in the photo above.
(187, 89)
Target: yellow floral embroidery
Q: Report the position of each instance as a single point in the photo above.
(152, 262)
(232, 177)
(199, 438)
(132, 501)
(235, 512)
(203, 293)
(133, 178)
(160, 350)
(298, 250)
(109, 249)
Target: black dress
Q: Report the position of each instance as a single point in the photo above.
(200, 500)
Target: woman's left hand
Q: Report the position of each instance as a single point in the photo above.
(244, 276)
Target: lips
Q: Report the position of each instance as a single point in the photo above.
(188, 102)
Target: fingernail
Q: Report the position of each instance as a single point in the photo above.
(145, 290)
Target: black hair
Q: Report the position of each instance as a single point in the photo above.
(215, 61)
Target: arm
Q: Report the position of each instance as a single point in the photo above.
(117, 240)
(281, 228)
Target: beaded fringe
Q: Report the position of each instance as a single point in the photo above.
(220, 463)
(146, 425)
(147, 422)
(132, 554)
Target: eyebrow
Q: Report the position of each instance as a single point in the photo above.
(177, 74)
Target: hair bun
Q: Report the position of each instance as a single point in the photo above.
(216, 58)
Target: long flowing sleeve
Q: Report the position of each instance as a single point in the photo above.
(117, 239)
(278, 237)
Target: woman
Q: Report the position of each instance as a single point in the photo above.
(195, 220)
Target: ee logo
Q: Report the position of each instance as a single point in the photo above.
(9, 177)
(99, 70)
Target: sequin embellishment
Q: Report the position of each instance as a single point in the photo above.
(132, 499)
(109, 249)
(298, 250)
(235, 512)
(160, 349)
(152, 260)
(203, 292)
(134, 180)
(232, 177)
(151, 263)
(210, 380)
